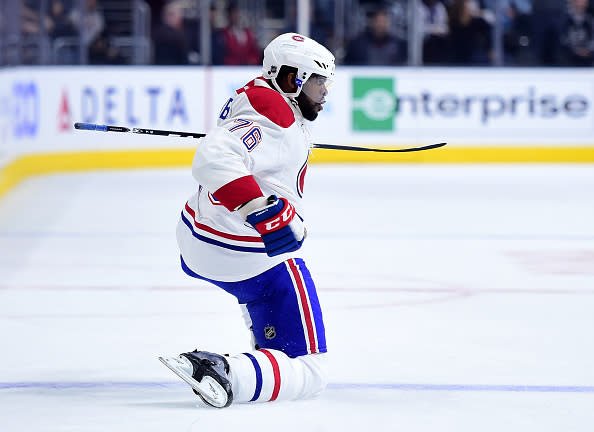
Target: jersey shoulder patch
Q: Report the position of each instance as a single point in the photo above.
(270, 104)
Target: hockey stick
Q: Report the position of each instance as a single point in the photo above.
(144, 131)
(106, 128)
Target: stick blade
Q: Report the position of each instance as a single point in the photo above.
(378, 149)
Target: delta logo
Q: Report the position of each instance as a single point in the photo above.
(113, 105)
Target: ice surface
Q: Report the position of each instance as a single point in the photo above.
(456, 298)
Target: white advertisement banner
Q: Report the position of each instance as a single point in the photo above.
(42, 104)
(469, 107)
(371, 106)
(461, 106)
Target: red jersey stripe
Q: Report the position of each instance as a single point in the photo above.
(251, 239)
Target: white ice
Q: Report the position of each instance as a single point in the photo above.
(456, 298)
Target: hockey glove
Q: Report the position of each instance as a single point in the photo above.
(281, 228)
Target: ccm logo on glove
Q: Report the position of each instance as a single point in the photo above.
(278, 222)
(281, 231)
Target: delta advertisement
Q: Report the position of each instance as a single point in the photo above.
(41, 106)
(366, 106)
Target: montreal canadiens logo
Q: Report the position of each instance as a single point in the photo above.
(298, 38)
(301, 179)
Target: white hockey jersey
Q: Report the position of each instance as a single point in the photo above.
(260, 147)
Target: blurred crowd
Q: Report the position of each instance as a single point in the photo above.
(446, 32)
(461, 33)
(176, 39)
(449, 32)
(66, 24)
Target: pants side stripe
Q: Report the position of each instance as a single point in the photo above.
(306, 308)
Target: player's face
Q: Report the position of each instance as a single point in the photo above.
(313, 96)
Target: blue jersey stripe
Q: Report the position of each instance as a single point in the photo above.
(258, 376)
(219, 243)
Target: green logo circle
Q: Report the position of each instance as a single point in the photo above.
(377, 104)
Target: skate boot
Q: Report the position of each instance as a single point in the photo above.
(207, 373)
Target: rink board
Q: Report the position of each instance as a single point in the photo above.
(485, 115)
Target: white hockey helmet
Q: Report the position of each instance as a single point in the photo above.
(298, 51)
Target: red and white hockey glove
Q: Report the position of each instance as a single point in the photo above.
(281, 228)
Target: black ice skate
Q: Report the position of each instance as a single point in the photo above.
(206, 373)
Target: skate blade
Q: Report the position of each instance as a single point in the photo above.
(208, 388)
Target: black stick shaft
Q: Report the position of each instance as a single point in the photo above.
(373, 149)
(144, 131)
(167, 133)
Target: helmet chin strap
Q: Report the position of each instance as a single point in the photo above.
(296, 105)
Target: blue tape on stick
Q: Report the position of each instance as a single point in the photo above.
(90, 126)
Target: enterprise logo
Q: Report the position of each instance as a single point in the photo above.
(377, 104)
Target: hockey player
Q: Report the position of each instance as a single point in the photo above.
(242, 229)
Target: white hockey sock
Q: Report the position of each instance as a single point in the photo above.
(268, 375)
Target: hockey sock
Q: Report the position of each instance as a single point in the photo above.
(267, 375)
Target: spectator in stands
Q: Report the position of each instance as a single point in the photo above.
(435, 30)
(31, 28)
(58, 21)
(376, 45)
(546, 26)
(240, 44)
(217, 40)
(59, 26)
(471, 35)
(577, 35)
(512, 9)
(321, 21)
(170, 42)
(192, 28)
(30, 21)
(518, 33)
(90, 22)
(516, 19)
(102, 53)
